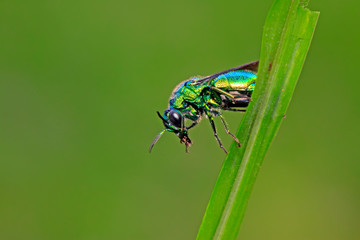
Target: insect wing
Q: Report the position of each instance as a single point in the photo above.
(253, 66)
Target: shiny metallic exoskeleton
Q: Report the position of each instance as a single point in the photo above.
(198, 96)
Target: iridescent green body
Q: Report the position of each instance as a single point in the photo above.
(191, 99)
(204, 96)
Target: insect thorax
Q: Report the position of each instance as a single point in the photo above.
(187, 98)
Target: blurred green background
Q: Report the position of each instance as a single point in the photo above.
(80, 82)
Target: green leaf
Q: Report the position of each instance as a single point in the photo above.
(287, 35)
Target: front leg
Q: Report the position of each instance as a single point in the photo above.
(192, 125)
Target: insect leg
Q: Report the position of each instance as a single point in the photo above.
(215, 134)
(192, 125)
(240, 102)
(228, 131)
(222, 92)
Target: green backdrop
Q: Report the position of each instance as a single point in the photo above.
(80, 82)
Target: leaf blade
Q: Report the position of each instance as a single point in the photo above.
(287, 35)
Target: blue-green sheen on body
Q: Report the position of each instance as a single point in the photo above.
(190, 92)
(235, 81)
(229, 90)
(232, 81)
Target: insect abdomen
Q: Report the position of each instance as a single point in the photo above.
(235, 81)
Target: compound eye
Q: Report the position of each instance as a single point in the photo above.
(175, 118)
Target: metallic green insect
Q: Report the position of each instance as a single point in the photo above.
(191, 99)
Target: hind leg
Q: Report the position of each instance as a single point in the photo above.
(228, 131)
(240, 102)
